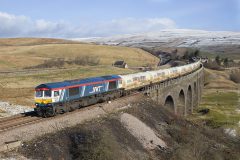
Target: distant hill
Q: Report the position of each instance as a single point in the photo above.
(216, 42)
(32, 41)
(172, 38)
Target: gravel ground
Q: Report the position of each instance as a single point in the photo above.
(11, 109)
(142, 132)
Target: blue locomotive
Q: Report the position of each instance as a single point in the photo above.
(60, 97)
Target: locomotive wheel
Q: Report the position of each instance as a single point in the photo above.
(44, 115)
(71, 109)
(101, 100)
(39, 114)
(50, 113)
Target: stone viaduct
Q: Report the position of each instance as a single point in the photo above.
(181, 95)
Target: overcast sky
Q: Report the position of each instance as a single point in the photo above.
(89, 18)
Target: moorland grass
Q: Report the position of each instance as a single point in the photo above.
(224, 106)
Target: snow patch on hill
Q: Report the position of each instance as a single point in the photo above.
(171, 38)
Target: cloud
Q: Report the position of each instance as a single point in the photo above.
(15, 26)
(12, 25)
(133, 25)
(22, 26)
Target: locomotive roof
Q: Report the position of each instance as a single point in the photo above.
(78, 82)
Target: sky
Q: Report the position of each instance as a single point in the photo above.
(100, 18)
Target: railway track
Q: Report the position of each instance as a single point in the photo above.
(29, 118)
(17, 121)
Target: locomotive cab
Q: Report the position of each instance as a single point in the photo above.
(43, 97)
(60, 97)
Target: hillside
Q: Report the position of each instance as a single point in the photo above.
(21, 53)
(215, 42)
(219, 80)
(31, 41)
(141, 131)
(172, 38)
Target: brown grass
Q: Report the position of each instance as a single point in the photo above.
(18, 88)
(31, 41)
(22, 56)
(218, 80)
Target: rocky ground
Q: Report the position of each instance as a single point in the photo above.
(142, 130)
(7, 109)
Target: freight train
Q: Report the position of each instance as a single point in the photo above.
(60, 97)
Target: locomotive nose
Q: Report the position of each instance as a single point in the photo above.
(43, 101)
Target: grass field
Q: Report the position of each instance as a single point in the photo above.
(19, 88)
(31, 41)
(224, 108)
(222, 97)
(29, 79)
(34, 53)
(218, 80)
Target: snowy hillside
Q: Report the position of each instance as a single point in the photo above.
(171, 38)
